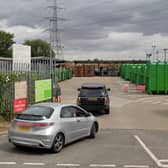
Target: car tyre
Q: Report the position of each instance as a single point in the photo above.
(58, 143)
(93, 132)
(17, 146)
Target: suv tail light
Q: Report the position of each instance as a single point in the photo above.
(106, 101)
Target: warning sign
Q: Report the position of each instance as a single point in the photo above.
(19, 105)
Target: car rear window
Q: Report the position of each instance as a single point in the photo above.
(36, 113)
(89, 92)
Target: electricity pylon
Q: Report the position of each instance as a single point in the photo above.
(55, 32)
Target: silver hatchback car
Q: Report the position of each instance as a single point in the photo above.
(51, 126)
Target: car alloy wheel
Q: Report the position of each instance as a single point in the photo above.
(58, 143)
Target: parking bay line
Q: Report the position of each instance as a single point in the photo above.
(102, 165)
(136, 166)
(34, 164)
(7, 163)
(68, 165)
(164, 160)
(152, 156)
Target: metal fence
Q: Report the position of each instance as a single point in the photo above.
(12, 72)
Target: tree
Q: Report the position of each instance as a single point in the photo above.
(39, 47)
(6, 42)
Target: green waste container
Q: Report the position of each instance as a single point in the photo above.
(157, 77)
(128, 71)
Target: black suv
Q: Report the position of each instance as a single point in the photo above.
(93, 97)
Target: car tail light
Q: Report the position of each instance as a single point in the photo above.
(42, 124)
(31, 124)
(78, 100)
(106, 101)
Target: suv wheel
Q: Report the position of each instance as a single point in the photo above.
(107, 111)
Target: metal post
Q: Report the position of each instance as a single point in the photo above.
(50, 51)
(153, 52)
(148, 55)
(165, 50)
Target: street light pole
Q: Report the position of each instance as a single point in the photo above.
(153, 51)
(165, 50)
(148, 55)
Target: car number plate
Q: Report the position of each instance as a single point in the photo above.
(92, 99)
(24, 129)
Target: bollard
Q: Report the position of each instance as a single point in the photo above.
(126, 88)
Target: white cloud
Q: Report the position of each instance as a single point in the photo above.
(104, 29)
(137, 45)
(21, 32)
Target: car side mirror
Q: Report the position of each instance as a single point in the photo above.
(78, 89)
(108, 89)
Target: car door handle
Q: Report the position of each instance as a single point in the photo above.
(78, 120)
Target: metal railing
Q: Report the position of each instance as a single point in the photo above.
(13, 72)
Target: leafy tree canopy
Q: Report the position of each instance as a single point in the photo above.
(39, 47)
(6, 42)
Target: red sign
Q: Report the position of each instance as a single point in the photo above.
(141, 87)
(19, 105)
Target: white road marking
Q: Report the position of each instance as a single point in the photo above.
(148, 101)
(68, 165)
(144, 98)
(152, 156)
(164, 166)
(136, 166)
(157, 102)
(34, 164)
(165, 104)
(7, 163)
(102, 165)
(164, 160)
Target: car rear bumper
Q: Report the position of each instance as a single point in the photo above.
(95, 108)
(38, 141)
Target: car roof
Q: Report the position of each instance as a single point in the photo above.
(93, 85)
(53, 105)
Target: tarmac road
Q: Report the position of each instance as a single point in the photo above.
(132, 110)
(111, 148)
(134, 135)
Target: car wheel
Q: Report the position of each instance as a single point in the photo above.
(93, 131)
(18, 146)
(58, 143)
(15, 145)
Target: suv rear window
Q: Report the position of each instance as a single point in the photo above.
(89, 92)
(36, 113)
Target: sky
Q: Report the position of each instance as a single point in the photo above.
(101, 29)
